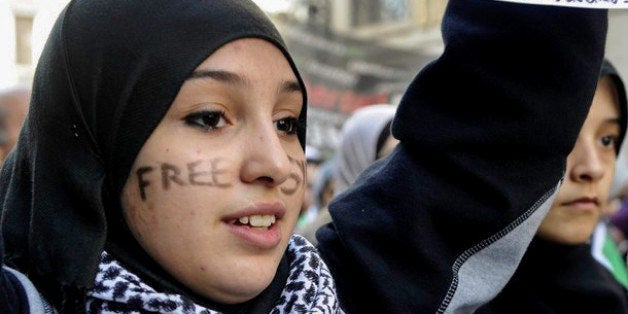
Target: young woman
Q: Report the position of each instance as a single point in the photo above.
(161, 166)
(558, 274)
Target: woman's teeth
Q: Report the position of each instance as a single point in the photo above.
(262, 221)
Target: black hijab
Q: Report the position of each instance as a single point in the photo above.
(109, 72)
(609, 70)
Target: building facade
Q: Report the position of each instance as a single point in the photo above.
(355, 53)
(24, 28)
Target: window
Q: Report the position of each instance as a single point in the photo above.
(379, 11)
(23, 30)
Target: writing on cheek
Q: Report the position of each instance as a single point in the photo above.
(199, 173)
(296, 179)
(170, 173)
(210, 177)
(143, 183)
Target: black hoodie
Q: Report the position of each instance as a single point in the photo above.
(555, 278)
(441, 224)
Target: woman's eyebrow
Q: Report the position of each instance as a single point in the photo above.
(290, 86)
(613, 121)
(220, 75)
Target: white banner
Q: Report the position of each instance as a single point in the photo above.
(591, 4)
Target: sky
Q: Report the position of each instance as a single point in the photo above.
(274, 6)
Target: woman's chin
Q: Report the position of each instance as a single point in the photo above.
(238, 290)
(575, 237)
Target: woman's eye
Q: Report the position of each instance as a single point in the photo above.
(207, 120)
(289, 126)
(609, 141)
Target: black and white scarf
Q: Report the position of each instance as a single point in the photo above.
(309, 289)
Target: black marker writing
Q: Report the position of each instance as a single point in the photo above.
(141, 182)
(170, 173)
(212, 175)
(216, 171)
(592, 1)
(199, 173)
(193, 174)
(294, 176)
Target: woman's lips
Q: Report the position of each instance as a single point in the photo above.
(584, 204)
(262, 237)
(258, 225)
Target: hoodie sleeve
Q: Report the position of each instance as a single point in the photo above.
(442, 223)
(12, 295)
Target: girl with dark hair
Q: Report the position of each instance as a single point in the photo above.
(161, 167)
(558, 273)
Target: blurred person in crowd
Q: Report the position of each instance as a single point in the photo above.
(440, 224)
(608, 244)
(365, 138)
(161, 171)
(616, 227)
(309, 210)
(13, 108)
(323, 188)
(559, 273)
(619, 218)
(322, 194)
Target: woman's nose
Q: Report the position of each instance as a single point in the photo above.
(265, 159)
(587, 164)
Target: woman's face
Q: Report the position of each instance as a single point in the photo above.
(590, 167)
(214, 193)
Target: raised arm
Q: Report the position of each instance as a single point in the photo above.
(441, 225)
